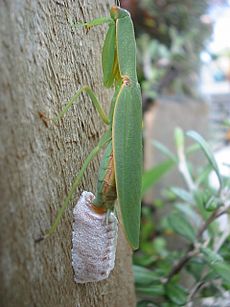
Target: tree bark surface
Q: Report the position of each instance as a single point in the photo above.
(43, 62)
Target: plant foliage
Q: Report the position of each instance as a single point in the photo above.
(196, 265)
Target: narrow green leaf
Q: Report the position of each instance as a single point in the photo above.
(179, 138)
(153, 175)
(176, 294)
(163, 149)
(203, 175)
(153, 290)
(211, 276)
(180, 225)
(216, 262)
(195, 267)
(183, 194)
(207, 151)
(144, 276)
(191, 149)
(223, 270)
(210, 256)
(188, 211)
(144, 260)
(212, 203)
(146, 303)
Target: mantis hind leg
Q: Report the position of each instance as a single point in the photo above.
(105, 139)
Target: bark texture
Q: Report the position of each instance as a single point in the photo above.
(43, 62)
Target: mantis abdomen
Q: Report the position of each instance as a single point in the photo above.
(106, 185)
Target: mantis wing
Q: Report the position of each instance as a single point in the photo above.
(126, 47)
(127, 149)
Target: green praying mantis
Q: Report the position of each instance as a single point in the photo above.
(120, 170)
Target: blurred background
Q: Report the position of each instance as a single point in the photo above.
(183, 51)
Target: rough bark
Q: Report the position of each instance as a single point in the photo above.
(43, 63)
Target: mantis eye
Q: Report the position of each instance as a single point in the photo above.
(94, 242)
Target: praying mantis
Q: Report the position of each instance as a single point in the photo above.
(120, 170)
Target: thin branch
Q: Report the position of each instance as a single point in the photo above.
(195, 289)
(211, 218)
(181, 263)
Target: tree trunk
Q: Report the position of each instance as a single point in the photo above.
(43, 62)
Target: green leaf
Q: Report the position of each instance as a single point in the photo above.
(212, 204)
(210, 256)
(146, 303)
(144, 276)
(179, 138)
(191, 149)
(195, 267)
(178, 222)
(215, 261)
(144, 260)
(183, 194)
(152, 290)
(188, 211)
(204, 175)
(210, 276)
(150, 177)
(223, 270)
(207, 151)
(163, 149)
(176, 294)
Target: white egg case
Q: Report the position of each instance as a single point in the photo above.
(94, 242)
